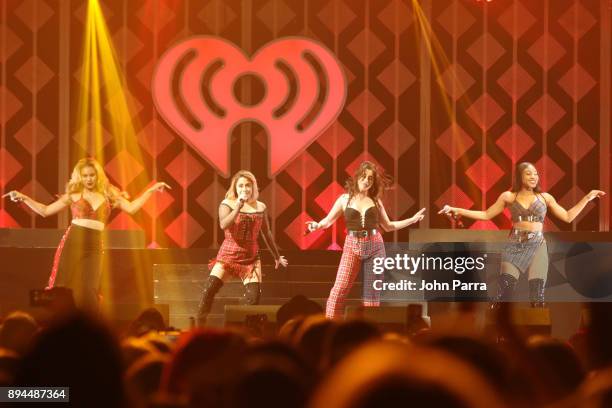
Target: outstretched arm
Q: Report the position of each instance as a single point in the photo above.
(333, 215)
(40, 208)
(569, 215)
(266, 234)
(131, 207)
(389, 225)
(489, 213)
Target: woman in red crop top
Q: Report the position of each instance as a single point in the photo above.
(526, 250)
(242, 218)
(364, 213)
(91, 197)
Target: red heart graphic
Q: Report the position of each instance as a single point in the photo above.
(193, 91)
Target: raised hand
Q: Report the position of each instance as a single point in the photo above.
(593, 194)
(159, 186)
(418, 216)
(312, 226)
(14, 196)
(242, 199)
(448, 210)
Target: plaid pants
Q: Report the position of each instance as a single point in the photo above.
(356, 251)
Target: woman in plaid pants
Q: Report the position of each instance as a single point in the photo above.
(364, 213)
(242, 218)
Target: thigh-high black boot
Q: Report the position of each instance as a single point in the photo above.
(211, 287)
(252, 293)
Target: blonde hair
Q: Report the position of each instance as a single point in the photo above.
(231, 192)
(103, 185)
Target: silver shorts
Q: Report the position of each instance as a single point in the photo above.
(521, 248)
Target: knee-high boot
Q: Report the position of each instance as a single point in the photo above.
(211, 287)
(505, 291)
(536, 292)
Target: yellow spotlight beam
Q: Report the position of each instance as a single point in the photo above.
(434, 49)
(104, 86)
(439, 58)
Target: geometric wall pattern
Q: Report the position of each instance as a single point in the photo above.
(531, 92)
(517, 80)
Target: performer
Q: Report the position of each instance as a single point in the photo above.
(91, 197)
(241, 217)
(526, 251)
(363, 212)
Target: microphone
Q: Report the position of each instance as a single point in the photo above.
(455, 218)
(308, 231)
(13, 197)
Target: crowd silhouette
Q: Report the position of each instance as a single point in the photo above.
(310, 361)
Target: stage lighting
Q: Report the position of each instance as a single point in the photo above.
(105, 123)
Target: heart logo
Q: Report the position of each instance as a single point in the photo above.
(304, 92)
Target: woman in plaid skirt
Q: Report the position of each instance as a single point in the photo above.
(526, 250)
(242, 218)
(364, 213)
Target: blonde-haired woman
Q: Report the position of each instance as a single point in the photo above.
(91, 197)
(242, 218)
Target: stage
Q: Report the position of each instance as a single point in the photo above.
(364, 201)
(172, 279)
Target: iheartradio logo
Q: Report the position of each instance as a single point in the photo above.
(194, 91)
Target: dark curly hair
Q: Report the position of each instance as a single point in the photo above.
(381, 182)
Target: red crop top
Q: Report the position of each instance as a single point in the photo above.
(82, 209)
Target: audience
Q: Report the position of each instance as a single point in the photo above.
(79, 352)
(143, 379)
(312, 362)
(17, 332)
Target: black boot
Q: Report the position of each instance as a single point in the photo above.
(211, 287)
(505, 291)
(252, 293)
(536, 292)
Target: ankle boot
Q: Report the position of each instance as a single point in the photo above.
(536, 292)
(505, 291)
(211, 287)
(252, 293)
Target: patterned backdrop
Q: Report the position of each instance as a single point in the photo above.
(509, 80)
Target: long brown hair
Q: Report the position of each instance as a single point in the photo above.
(518, 178)
(380, 184)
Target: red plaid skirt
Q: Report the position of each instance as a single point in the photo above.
(240, 250)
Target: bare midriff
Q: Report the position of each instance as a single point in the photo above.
(92, 224)
(528, 226)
